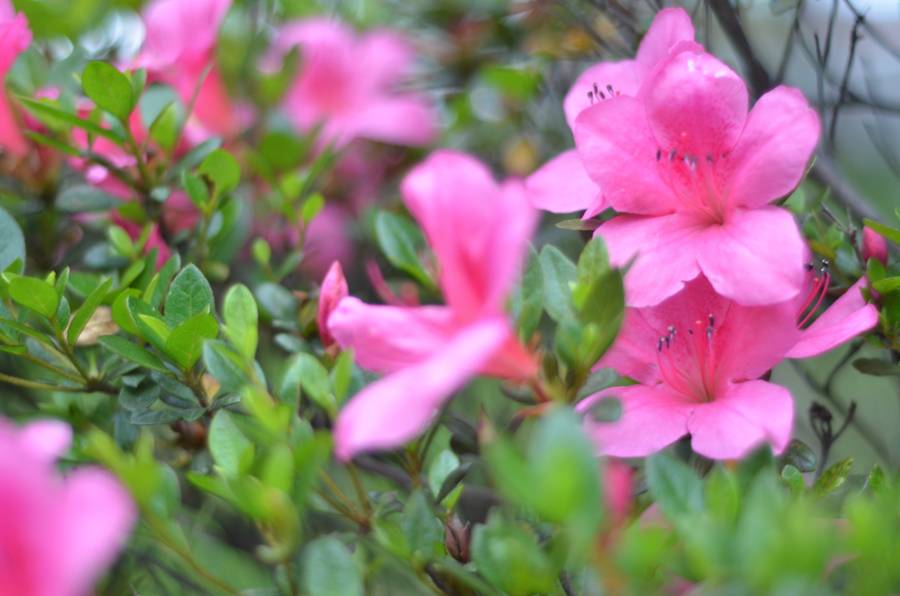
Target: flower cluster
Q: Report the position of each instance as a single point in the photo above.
(720, 285)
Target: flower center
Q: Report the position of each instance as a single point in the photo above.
(693, 178)
(821, 279)
(687, 363)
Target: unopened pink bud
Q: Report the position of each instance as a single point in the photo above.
(334, 289)
(874, 246)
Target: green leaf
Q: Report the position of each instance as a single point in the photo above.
(225, 365)
(328, 569)
(887, 285)
(801, 456)
(222, 169)
(165, 128)
(241, 320)
(675, 487)
(133, 352)
(442, 466)
(311, 207)
(528, 299)
(400, 241)
(342, 375)
(185, 343)
(35, 294)
(83, 197)
(86, 311)
(196, 190)
(509, 557)
(558, 274)
(832, 478)
(876, 367)
(420, 527)
(54, 116)
(12, 241)
(189, 295)
(110, 90)
(304, 371)
(231, 451)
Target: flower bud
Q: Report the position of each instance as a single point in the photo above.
(334, 289)
(874, 246)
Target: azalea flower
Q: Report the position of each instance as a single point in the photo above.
(692, 173)
(479, 232)
(697, 358)
(347, 83)
(15, 37)
(58, 534)
(179, 48)
(562, 185)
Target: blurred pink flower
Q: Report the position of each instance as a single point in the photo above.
(697, 357)
(618, 490)
(874, 246)
(333, 290)
(348, 84)
(180, 45)
(479, 231)
(58, 535)
(327, 240)
(15, 37)
(693, 173)
(562, 185)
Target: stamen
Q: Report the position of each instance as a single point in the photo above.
(816, 295)
(658, 154)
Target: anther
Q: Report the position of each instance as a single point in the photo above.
(658, 154)
(712, 321)
(659, 345)
(672, 155)
(609, 88)
(709, 159)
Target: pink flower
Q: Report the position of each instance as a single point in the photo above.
(57, 535)
(562, 185)
(874, 246)
(697, 358)
(618, 490)
(180, 45)
(693, 173)
(15, 38)
(348, 84)
(479, 232)
(334, 289)
(327, 239)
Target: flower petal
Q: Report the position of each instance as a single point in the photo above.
(478, 229)
(696, 105)
(400, 119)
(388, 338)
(670, 26)
(666, 248)
(620, 154)
(743, 417)
(633, 354)
(620, 76)
(398, 407)
(652, 418)
(755, 257)
(562, 185)
(771, 155)
(96, 514)
(386, 58)
(846, 318)
(46, 439)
